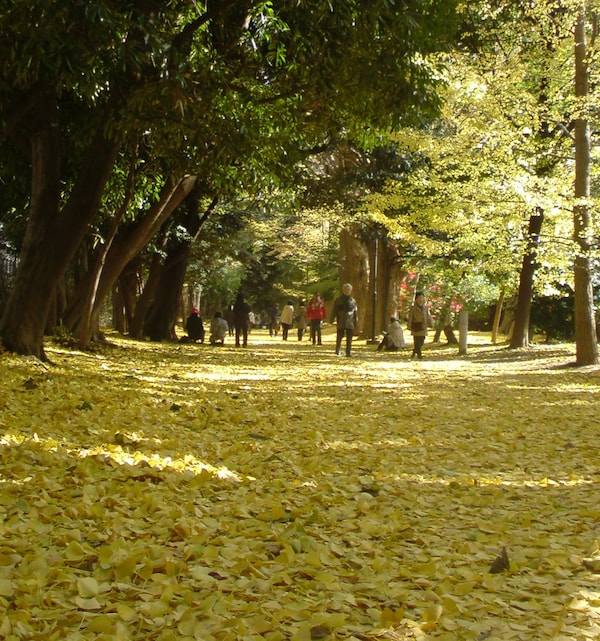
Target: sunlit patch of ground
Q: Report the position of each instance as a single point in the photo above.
(157, 491)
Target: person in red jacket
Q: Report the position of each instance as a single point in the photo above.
(315, 312)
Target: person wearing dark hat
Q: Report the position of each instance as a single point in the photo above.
(194, 326)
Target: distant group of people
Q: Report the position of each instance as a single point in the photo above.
(344, 314)
(309, 317)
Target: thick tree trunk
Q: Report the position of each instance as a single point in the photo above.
(128, 284)
(125, 247)
(33, 292)
(160, 323)
(376, 286)
(355, 269)
(585, 329)
(51, 238)
(146, 297)
(89, 316)
(520, 333)
(391, 273)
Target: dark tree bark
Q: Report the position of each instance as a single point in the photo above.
(160, 323)
(355, 269)
(125, 247)
(520, 335)
(390, 275)
(128, 285)
(497, 316)
(52, 237)
(148, 294)
(585, 329)
(357, 266)
(89, 315)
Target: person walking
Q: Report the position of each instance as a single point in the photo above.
(315, 313)
(241, 320)
(301, 320)
(287, 319)
(419, 319)
(274, 314)
(345, 314)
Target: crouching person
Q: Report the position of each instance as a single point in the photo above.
(194, 327)
(218, 329)
(393, 339)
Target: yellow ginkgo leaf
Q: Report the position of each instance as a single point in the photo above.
(7, 588)
(88, 604)
(126, 612)
(87, 587)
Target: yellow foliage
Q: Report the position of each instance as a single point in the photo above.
(157, 492)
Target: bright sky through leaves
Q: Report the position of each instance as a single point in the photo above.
(158, 492)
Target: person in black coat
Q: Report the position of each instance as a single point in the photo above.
(194, 326)
(345, 313)
(241, 320)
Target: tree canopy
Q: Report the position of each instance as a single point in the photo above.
(440, 126)
(232, 92)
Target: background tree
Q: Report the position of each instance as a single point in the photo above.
(87, 77)
(585, 329)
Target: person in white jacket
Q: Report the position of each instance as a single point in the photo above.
(287, 319)
(218, 329)
(393, 339)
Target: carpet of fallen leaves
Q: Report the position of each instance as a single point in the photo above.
(183, 492)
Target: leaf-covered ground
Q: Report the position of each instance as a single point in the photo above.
(161, 492)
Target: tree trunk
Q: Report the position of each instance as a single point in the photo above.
(89, 315)
(29, 303)
(147, 296)
(520, 332)
(128, 284)
(160, 323)
(51, 238)
(585, 330)
(497, 316)
(125, 247)
(355, 269)
(118, 310)
(391, 275)
(376, 286)
(463, 331)
(373, 311)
